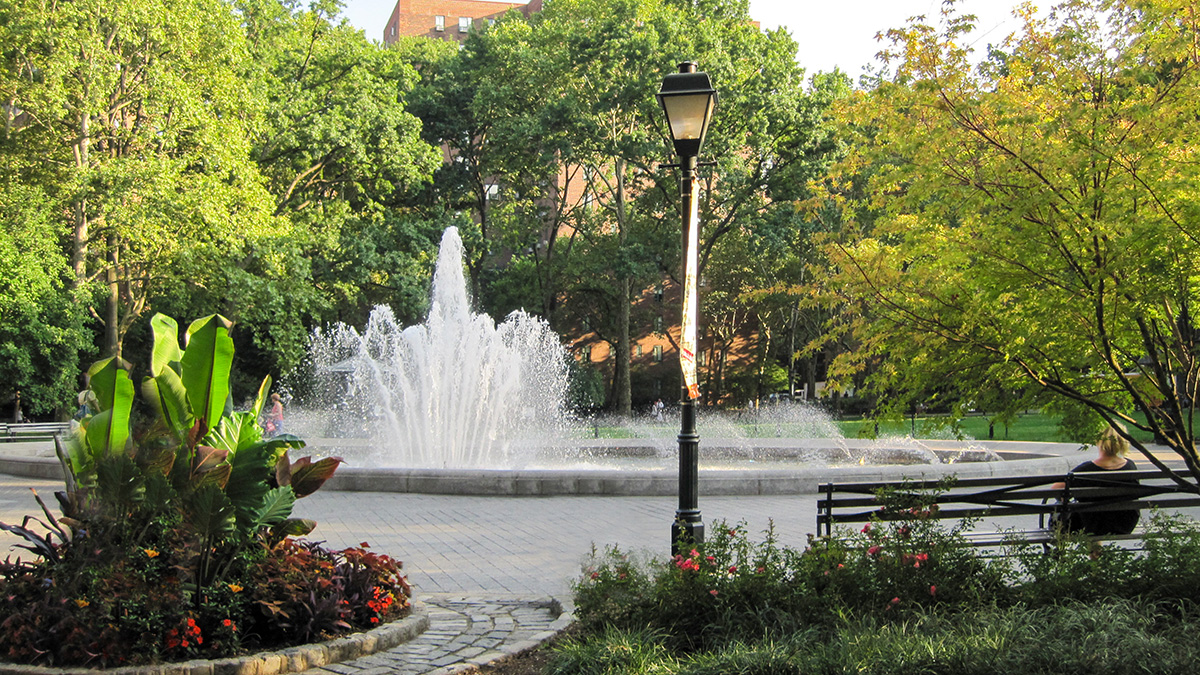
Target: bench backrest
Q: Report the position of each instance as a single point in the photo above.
(1002, 497)
(35, 428)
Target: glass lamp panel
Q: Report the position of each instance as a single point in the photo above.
(688, 114)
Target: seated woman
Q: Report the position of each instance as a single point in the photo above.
(1113, 449)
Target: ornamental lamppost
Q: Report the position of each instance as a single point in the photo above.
(688, 99)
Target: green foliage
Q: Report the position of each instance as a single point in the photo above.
(42, 324)
(901, 595)
(124, 606)
(191, 509)
(1003, 233)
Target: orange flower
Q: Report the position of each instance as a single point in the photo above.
(151, 553)
(81, 603)
(234, 588)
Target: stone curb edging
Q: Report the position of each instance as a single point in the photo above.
(290, 660)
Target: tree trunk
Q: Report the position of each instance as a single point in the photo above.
(79, 241)
(112, 336)
(624, 386)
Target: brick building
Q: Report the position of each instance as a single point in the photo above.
(448, 19)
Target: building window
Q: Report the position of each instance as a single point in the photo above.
(658, 324)
(585, 354)
(658, 353)
(702, 358)
(393, 27)
(491, 22)
(658, 293)
(439, 23)
(464, 24)
(637, 351)
(490, 191)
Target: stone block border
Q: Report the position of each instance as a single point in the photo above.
(290, 660)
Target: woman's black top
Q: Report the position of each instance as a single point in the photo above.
(1104, 522)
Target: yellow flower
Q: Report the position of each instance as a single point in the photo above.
(151, 553)
(235, 588)
(82, 603)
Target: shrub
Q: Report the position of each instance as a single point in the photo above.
(732, 591)
(176, 535)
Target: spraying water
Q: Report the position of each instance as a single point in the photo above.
(458, 391)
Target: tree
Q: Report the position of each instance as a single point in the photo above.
(1032, 223)
(338, 152)
(133, 117)
(41, 331)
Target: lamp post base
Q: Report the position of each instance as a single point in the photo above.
(687, 532)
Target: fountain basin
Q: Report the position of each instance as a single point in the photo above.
(776, 478)
(36, 460)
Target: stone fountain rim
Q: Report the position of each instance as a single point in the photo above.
(1020, 459)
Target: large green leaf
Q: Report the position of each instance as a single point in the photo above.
(249, 470)
(210, 513)
(166, 352)
(261, 398)
(274, 508)
(108, 431)
(205, 364)
(119, 483)
(167, 395)
(234, 431)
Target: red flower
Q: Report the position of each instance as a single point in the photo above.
(866, 528)
(933, 591)
(732, 569)
(874, 550)
(713, 592)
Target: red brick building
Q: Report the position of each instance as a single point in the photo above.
(448, 19)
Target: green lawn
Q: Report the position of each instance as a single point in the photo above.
(1031, 426)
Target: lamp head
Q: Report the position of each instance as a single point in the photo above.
(688, 99)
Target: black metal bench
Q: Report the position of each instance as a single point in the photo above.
(33, 431)
(998, 498)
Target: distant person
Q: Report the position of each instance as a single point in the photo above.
(87, 405)
(17, 416)
(274, 424)
(1111, 460)
(658, 410)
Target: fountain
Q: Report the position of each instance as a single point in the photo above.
(455, 392)
(460, 404)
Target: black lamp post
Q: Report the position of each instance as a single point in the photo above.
(688, 99)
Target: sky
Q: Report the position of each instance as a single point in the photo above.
(830, 33)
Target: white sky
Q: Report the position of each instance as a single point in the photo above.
(830, 32)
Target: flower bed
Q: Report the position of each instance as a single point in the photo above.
(896, 596)
(176, 538)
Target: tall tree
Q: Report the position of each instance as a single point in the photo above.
(133, 116)
(1034, 219)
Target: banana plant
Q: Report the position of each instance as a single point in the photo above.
(213, 448)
